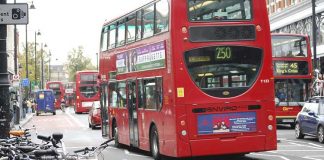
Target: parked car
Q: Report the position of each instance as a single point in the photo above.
(310, 120)
(94, 117)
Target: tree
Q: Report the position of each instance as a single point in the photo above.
(77, 62)
(31, 62)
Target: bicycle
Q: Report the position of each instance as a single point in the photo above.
(89, 152)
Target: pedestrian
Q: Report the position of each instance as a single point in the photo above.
(24, 106)
(29, 105)
(320, 85)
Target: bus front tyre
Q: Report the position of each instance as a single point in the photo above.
(154, 144)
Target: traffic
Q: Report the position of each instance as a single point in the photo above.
(216, 84)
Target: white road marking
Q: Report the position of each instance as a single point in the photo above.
(76, 121)
(270, 155)
(314, 157)
(315, 145)
(133, 154)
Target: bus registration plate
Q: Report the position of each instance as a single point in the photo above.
(87, 104)
(227, 123)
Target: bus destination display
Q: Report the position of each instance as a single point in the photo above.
(290, 68)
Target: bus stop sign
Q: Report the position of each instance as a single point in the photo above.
(25, 82)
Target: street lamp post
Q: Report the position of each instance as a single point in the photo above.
(97, 60)
(27, 73)
(314, 32)
(42, 68)
(36, 34)
(49, 66)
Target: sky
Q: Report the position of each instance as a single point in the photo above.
(67, 24)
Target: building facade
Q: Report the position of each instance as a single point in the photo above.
(295, 16)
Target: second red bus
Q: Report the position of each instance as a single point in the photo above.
(58, 88)
(292, 61)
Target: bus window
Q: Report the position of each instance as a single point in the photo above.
(148, 21)
(162, 16)
(130, 24)
(159, 92)
(141, 96)
(112, 36)
(218, 10)
(149, 90)
(139, 24)
(121, 94)
(121, 34)
(112, 95)
(104, 39)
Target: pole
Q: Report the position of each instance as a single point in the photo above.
(27, 73)
(15, 46)
(97, 61)
(49, 66)
(35, 60)
(5, 115)
(314, 33)
(42, 68)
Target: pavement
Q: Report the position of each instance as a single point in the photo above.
(24, 121)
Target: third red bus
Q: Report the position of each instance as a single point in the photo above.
(86, 90)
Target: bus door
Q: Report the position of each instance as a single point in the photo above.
(132, 110)
(104, 110)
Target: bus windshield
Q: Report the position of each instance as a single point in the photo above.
(224, 68)
(289, 46)
(89, 91)
(291, 90)
(218, 10)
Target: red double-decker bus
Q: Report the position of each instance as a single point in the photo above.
(58, 88)
(292, 61)
(189, 78)
(86, 90)
(70, 94)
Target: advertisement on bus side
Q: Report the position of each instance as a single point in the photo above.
(143, 58)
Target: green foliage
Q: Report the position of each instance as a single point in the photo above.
(77, 62)
(31, 62)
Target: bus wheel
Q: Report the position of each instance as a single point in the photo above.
(320, 134)
(154, 144)
(115, 135)
(298, 132)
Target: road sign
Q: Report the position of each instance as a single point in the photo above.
(25, 82)
(14, 13)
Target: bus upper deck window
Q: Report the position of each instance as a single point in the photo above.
(219, 10)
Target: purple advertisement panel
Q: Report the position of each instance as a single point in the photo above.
(143, 58)
(227, 123)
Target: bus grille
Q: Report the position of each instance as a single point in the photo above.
(222, 33)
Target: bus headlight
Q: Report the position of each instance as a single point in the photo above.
(270, 127)
(184, 132)
(270, 117)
